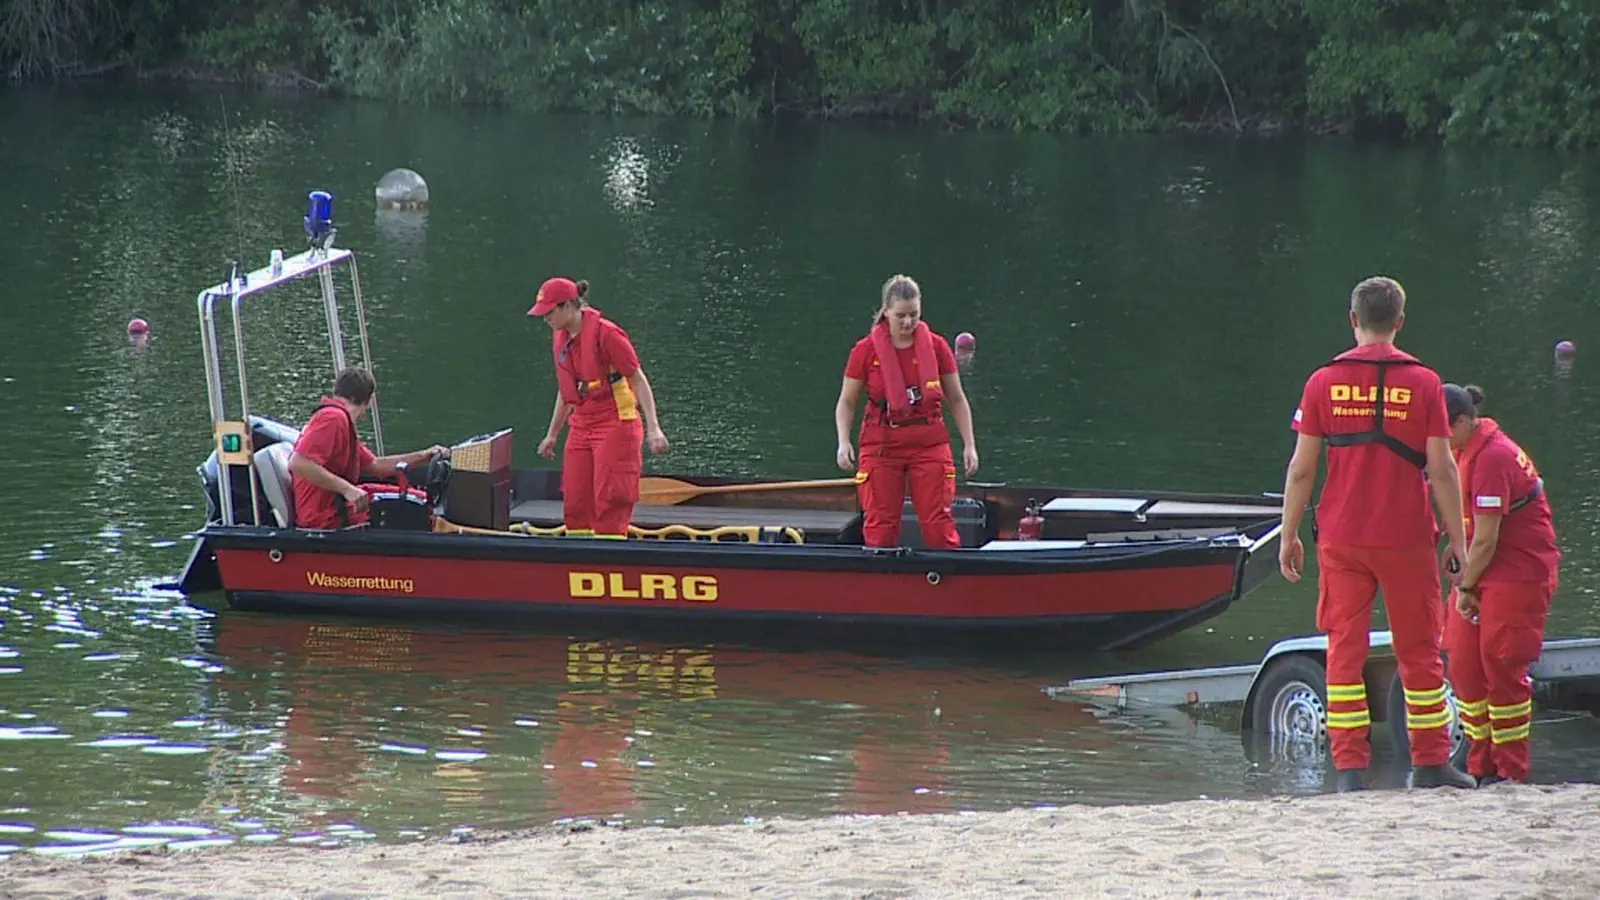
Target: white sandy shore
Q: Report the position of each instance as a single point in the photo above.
(1501, 841)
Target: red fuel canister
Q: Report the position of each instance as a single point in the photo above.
(1031, 526)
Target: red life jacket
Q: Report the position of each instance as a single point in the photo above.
(922, 400)
(352, 468)
(576, 387)
(1484, 435)
(1376, 434)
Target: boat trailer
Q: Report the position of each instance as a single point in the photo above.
(1285, 694)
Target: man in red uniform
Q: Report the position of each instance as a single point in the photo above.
(329, 457)
(1382, 414)
(1497, 628)
(909, 374)
(601, 389)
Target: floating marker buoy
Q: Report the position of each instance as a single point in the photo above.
(1565, 348)
(138, 326)
(402, 189)
(966, 341)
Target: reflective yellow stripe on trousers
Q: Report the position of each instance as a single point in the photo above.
(1417, 720)
(1504, 734)
(1474, 718)
(1348, 718)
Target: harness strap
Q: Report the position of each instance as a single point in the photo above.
(1376, 434)
(355, 460)
(1532, 495)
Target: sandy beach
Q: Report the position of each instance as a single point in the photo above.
(1499, 842)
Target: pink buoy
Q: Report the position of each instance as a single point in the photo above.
(966, 341)
(1565, 348)
(138, 326)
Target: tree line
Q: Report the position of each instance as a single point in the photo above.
(1507, 71)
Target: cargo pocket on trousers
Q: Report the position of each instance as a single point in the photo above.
(622, 485)
(949, 496)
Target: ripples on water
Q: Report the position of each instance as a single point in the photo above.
(141, 721)
(128, 718)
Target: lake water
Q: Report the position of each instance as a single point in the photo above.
(1146, 311)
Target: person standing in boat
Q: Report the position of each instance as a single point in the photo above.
(1382, 414)
(329, 458)
(909, 375)
(1497, 627)
(601, 391)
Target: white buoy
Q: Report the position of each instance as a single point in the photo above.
(402, 189)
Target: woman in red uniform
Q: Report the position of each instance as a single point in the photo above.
(601, 391)
(1497, 628)
(909, 375)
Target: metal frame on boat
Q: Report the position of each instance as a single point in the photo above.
(1112, 570)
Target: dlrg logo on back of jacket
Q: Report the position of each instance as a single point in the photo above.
(1353, 393)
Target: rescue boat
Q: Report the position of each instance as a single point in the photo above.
(1064, 568)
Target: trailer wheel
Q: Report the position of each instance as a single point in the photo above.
(1401, 736)
(1290, 701)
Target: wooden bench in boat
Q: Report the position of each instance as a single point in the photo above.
(818, 524)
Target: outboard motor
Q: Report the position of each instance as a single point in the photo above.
(263, 432)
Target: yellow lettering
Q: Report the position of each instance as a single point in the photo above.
(699, 588)
(1525, 463)
(361, 582)
(1352, 393)
(1365, 412)
(586, 584)
(652, 587)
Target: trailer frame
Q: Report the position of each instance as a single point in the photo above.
(1284, 695)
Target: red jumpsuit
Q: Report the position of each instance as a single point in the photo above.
(1489, 661)
(601, 462)
(904, 438)
(1375, 528)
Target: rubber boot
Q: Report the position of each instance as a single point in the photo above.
(1441, 776)
(1486, 780)
(1348, 780)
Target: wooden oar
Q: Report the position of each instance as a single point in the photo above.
(668, 491)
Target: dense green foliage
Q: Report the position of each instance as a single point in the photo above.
(1510, 70)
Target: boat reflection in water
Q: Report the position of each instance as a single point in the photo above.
(406, 726)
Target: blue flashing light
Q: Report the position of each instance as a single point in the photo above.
(319, 218)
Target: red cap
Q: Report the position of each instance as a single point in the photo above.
(552, 293)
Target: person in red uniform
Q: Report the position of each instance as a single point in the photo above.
(1497, 627)
(329, 457)
(1382, 414)
(601, 389)
(909, 375)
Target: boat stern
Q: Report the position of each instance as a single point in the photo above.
(200, 574)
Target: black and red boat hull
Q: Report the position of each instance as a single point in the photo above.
(1082, 599)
